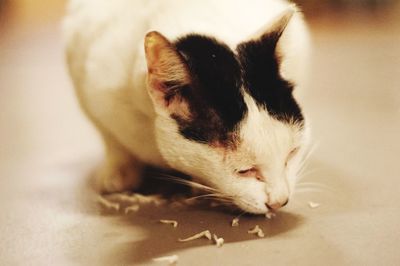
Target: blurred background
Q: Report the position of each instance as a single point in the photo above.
(353, 101)
(29, 11)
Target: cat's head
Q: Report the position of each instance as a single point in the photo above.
(226, 116)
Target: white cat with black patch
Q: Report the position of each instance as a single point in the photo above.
(202, 87)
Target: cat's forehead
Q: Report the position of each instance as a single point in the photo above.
(220, 79)
(263, 135)
(263, 140)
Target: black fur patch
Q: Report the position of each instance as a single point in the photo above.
(217, 75)
(215, 100)
(263, 81)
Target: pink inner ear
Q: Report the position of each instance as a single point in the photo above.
(173, 105)
(156, 90)
(164, 62)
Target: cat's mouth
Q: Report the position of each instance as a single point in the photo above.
(251, 208)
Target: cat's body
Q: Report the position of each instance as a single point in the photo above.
(115, 86)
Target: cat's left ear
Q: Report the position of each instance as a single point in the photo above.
(167, 74)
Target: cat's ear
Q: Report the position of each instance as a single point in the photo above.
(271, 33)
(167, 74)
(279, 25)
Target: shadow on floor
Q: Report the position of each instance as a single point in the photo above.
(162, 240)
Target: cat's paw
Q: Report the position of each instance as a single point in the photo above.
(117, 178)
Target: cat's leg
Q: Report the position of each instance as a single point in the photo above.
(121, 171)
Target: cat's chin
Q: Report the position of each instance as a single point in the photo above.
(236, 210)
(252, 209)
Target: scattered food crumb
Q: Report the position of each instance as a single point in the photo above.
(108, 204)
(132, 208)
(156, 199)
(235, 222)
(256, 230)
(138, 198)
(174, 223)
(205, 233)
(313, 205)
(124, 197)
(270, 215)
(219, 241)
(172, 260)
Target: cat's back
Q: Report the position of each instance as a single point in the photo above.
(229, 20)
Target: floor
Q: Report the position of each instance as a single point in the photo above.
(49, 151)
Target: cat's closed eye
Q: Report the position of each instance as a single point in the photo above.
(248, 172)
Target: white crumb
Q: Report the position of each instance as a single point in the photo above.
(270, 215)
(313, 205)
(172, 260)
(172, 222)
(159, 201)
(205, 234)
(219, 241)
(132, 208)
(108, 204)
(138, 198)
(124, 197)
(235, 222)
(256, 230)
(146, 199)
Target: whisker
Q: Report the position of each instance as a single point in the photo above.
(243, 201)
(313, 184)
(304, 190)
(211, 196)
(305, 160)
(240, 215)
(214, 195)
(304, 174)
(186, 182)
(313, 187)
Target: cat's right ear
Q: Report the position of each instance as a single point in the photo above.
(167, 74)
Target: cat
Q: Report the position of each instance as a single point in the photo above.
(202, 87)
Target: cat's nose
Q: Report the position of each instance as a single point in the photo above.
(276, 205)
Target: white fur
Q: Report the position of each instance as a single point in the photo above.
(104, 41)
